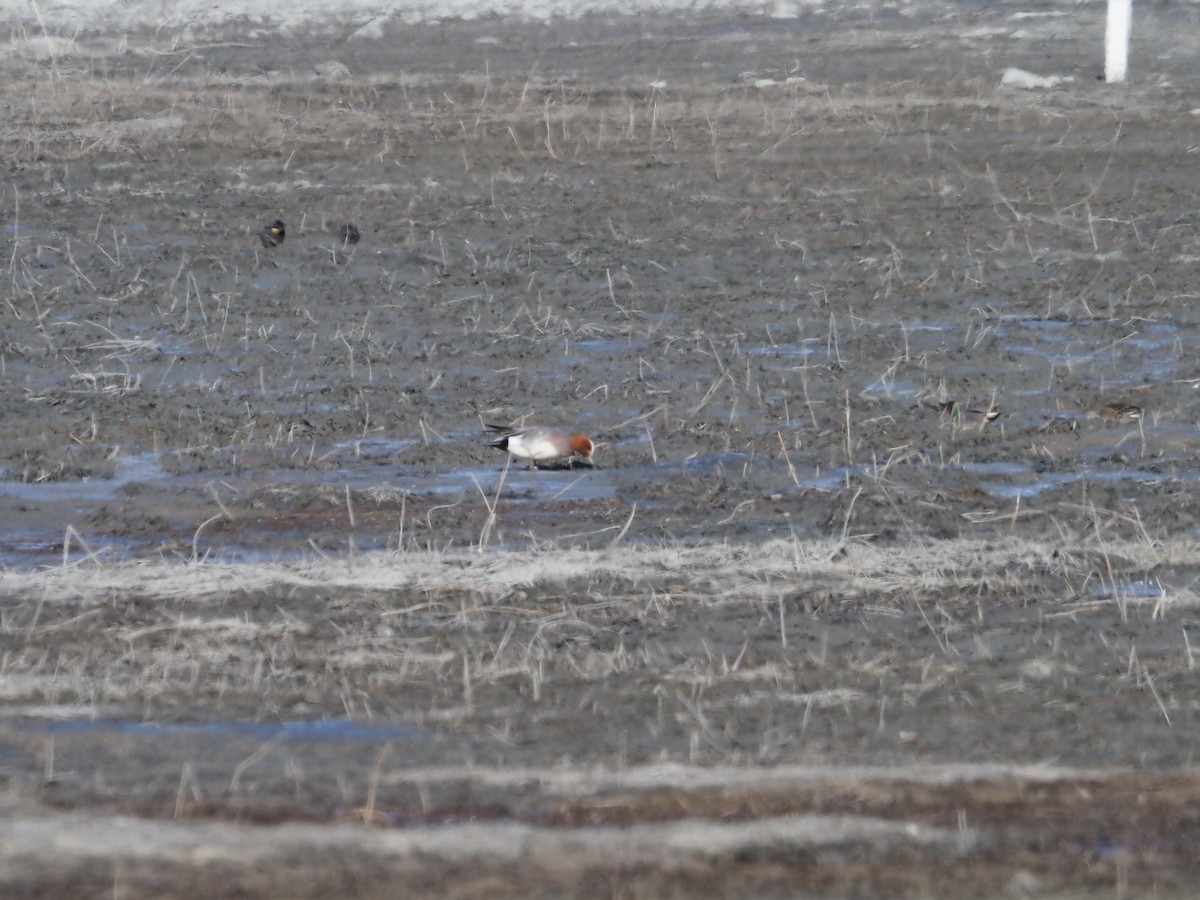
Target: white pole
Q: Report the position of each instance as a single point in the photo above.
(1116, 40)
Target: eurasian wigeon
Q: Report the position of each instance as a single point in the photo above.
(542, 444)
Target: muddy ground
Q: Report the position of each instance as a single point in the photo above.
(802, 628)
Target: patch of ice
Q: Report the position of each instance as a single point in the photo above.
(41, 47)
(371, 31)
(333, 70)
(1019, 78)
(1047, 14)
(785, 10)
(984, 32)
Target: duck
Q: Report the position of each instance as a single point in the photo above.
(542, 444)
(272, 235)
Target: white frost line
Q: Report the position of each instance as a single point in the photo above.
(574, 781)
(266, 15)
(31, 843)
(752, 570)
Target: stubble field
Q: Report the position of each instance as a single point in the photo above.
(273, 621)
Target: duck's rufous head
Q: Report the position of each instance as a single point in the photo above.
(581, 445)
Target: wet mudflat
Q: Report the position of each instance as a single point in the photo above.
(887, 574)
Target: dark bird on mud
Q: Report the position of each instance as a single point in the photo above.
(1120, 412)
(349, 234)
(273, 234)
(542, 444)
(963, 417)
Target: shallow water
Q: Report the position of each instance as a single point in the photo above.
(298, 731)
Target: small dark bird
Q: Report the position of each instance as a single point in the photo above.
(273, 234)
(1120, 412)
(349, 234)
(960, 416)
